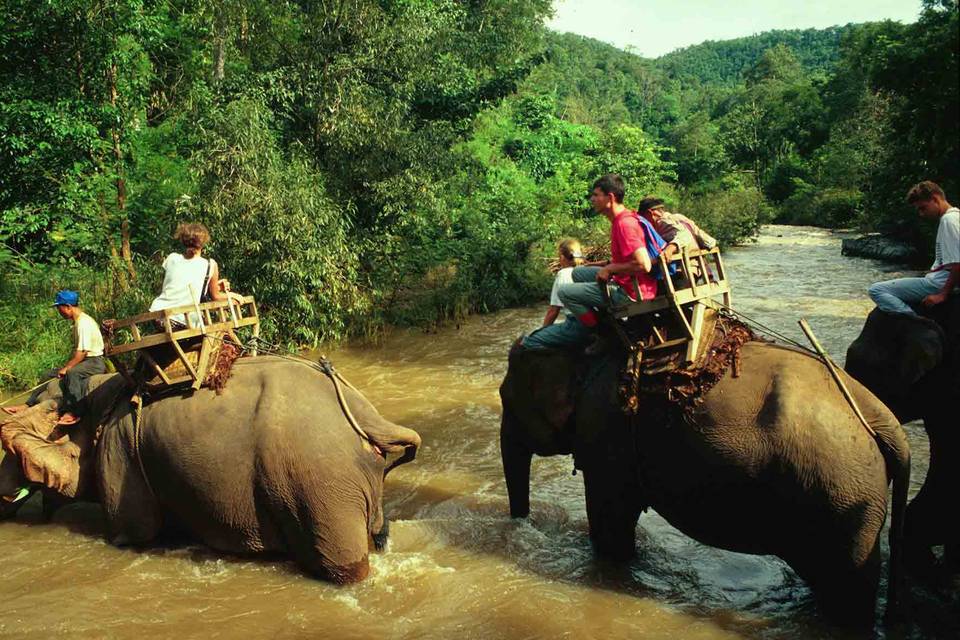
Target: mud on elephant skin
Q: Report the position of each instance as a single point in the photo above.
(771, 462)
(913, 365)
(271, 465)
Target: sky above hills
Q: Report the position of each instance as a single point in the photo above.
(652, 28)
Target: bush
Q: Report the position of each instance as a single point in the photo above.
(832, 207)
(732, 216)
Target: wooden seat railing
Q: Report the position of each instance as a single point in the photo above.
(704, 278)
(213, 320)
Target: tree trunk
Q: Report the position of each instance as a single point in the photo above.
(219, 46)
(125, 253)
(218, 59)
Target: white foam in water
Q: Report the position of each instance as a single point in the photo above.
(407, 565)
(350, 601)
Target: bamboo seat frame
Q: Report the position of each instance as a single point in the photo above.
(214, 321)
(686, 301)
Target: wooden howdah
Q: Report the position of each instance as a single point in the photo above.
(679, 322)
(177, 346)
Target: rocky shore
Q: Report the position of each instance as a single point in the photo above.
(875, 245)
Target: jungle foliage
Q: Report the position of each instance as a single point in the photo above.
(376, 162)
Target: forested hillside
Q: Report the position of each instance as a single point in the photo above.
(728, 61)
(817, 127)
(378, 162)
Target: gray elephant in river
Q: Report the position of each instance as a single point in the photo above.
(913, 365)
(270, 465)
(771, 462)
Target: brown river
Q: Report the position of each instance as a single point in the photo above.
(457, 566)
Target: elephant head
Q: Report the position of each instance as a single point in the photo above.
(39, 451)
(59, 458)
(893, 353)
(538, 398)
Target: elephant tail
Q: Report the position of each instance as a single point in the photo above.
(896, 454)
(403, 439)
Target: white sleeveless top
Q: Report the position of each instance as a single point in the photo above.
(182, 281)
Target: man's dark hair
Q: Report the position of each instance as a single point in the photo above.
(611, 184)
(649, 203)
(924, 191)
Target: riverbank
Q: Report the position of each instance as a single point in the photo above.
(879, 247)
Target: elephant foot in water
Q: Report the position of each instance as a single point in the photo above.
(381, 537)
(846, 589)
(337, 573)
(611, 516)
(923, 565)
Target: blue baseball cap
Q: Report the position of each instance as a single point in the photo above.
(66, 297)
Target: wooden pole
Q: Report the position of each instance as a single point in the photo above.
(836, 375)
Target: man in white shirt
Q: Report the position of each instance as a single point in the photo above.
(896, 296)
(87, 360)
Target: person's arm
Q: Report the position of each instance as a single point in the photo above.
(551, 317)
(78, 357)
(943, 294)
(671, 250)
(216, 289)
(640, 263)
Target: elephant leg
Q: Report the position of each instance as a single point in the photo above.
(52, 501)
(611, 512)
(951, 558)
(380, 537)
(131, 510)
(516, 460)
(845, 588)
(921, 522)
(330, 548)
(931, 518)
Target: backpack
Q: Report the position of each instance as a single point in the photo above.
(655, 245)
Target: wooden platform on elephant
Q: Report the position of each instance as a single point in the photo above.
(179, 345)
(679, 323)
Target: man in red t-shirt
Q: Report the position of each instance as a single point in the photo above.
(628, 258)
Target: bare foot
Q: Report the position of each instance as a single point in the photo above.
(15, 409)
(68, 419)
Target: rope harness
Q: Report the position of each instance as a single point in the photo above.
(326, 366)
(137, 402)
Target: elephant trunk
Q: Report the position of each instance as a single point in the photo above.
(516, 469)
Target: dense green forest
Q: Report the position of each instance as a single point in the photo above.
(370, 163)
(728, 62)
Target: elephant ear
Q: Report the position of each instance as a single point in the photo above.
(46, 454)
(539, 387)
(51, 391)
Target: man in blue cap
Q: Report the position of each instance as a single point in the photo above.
(87, 360)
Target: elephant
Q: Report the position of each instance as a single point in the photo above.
(271, 465)
(913, 365)
(771, 461)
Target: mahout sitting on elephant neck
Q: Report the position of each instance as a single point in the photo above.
(913, 365)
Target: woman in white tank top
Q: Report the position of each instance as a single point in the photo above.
(187, 276)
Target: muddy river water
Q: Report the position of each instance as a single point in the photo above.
(457, 565)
